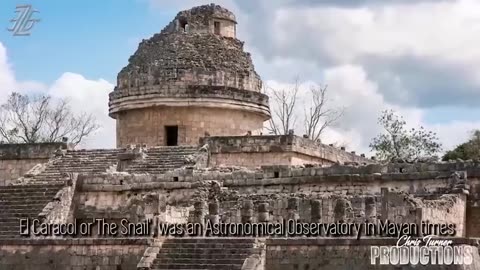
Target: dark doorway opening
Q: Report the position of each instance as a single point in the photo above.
(217, 28)
(171, 135)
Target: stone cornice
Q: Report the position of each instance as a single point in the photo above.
(281, 143)
(212, 97)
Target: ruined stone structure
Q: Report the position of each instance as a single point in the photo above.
(16, 160)
(190, 79)
(194, 78)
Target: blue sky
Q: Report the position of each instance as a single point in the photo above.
(93, 38)
(420, 58)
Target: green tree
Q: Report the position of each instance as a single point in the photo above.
(398, 142)
(26, 119)
(467, 150)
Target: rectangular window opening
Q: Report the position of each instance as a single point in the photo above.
(217, 28)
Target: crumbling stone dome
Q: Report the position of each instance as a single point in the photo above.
(194, 66)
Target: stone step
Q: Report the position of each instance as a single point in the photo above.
(207, 250)
(166, 156)
(27, 196)
(18, 215)
(197, 266)
(10, 227)
(204, 253)
(199, 261)
(82, 167)
(29, 187)
(201, 256)
(239, 240)
(26, 201)
(153, 164)
(26, 212)
(22, 192)
(208, 245)
(9, 235)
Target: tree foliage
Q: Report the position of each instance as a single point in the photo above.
(283, 109)
(467, 150)
(25, 119)
(398, 142)
(318, 115)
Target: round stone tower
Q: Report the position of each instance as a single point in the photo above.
(191, 79)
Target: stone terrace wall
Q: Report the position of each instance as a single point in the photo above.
(17, 159)
(104, 254)
(413, 197)
(340, 254)
(254, 151)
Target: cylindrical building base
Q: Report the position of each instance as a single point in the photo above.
(156, 126)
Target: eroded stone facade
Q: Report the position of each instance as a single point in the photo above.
(195, 76)
(17, 159)
(147, 126)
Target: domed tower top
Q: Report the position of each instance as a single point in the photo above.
(211, 19)
(196, 62)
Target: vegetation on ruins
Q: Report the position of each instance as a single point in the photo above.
(399, 142)
(28, 119)
(466, 150)
(318, 115)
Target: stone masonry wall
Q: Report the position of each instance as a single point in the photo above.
(184, 71)
(147, 126)
(255, 159)
(187, 51)
(17, 159)
(401, 197)
(254, 151)
(46, 254)
(451, 209)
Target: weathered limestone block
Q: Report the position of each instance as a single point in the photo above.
(316, 211)
(263, 212)
(199, 212)
(370, 209)
(247, 211)
(213, 211)
(342, 210)
(292, 208)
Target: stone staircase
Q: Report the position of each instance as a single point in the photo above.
(204, 253)
(23, 201)
(79, 161)
(157, 160)
(163, 158)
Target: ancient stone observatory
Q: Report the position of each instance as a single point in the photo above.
(191, 79)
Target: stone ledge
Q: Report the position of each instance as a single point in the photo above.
(80, 241)
(340, 178)
(281, 144)
(181, 179)
(30, 150)
(140, 186)
(193, 95)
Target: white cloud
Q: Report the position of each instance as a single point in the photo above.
(349, 87)
(409, 56)
(90, 96)
(7, 79)
(426, 28)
